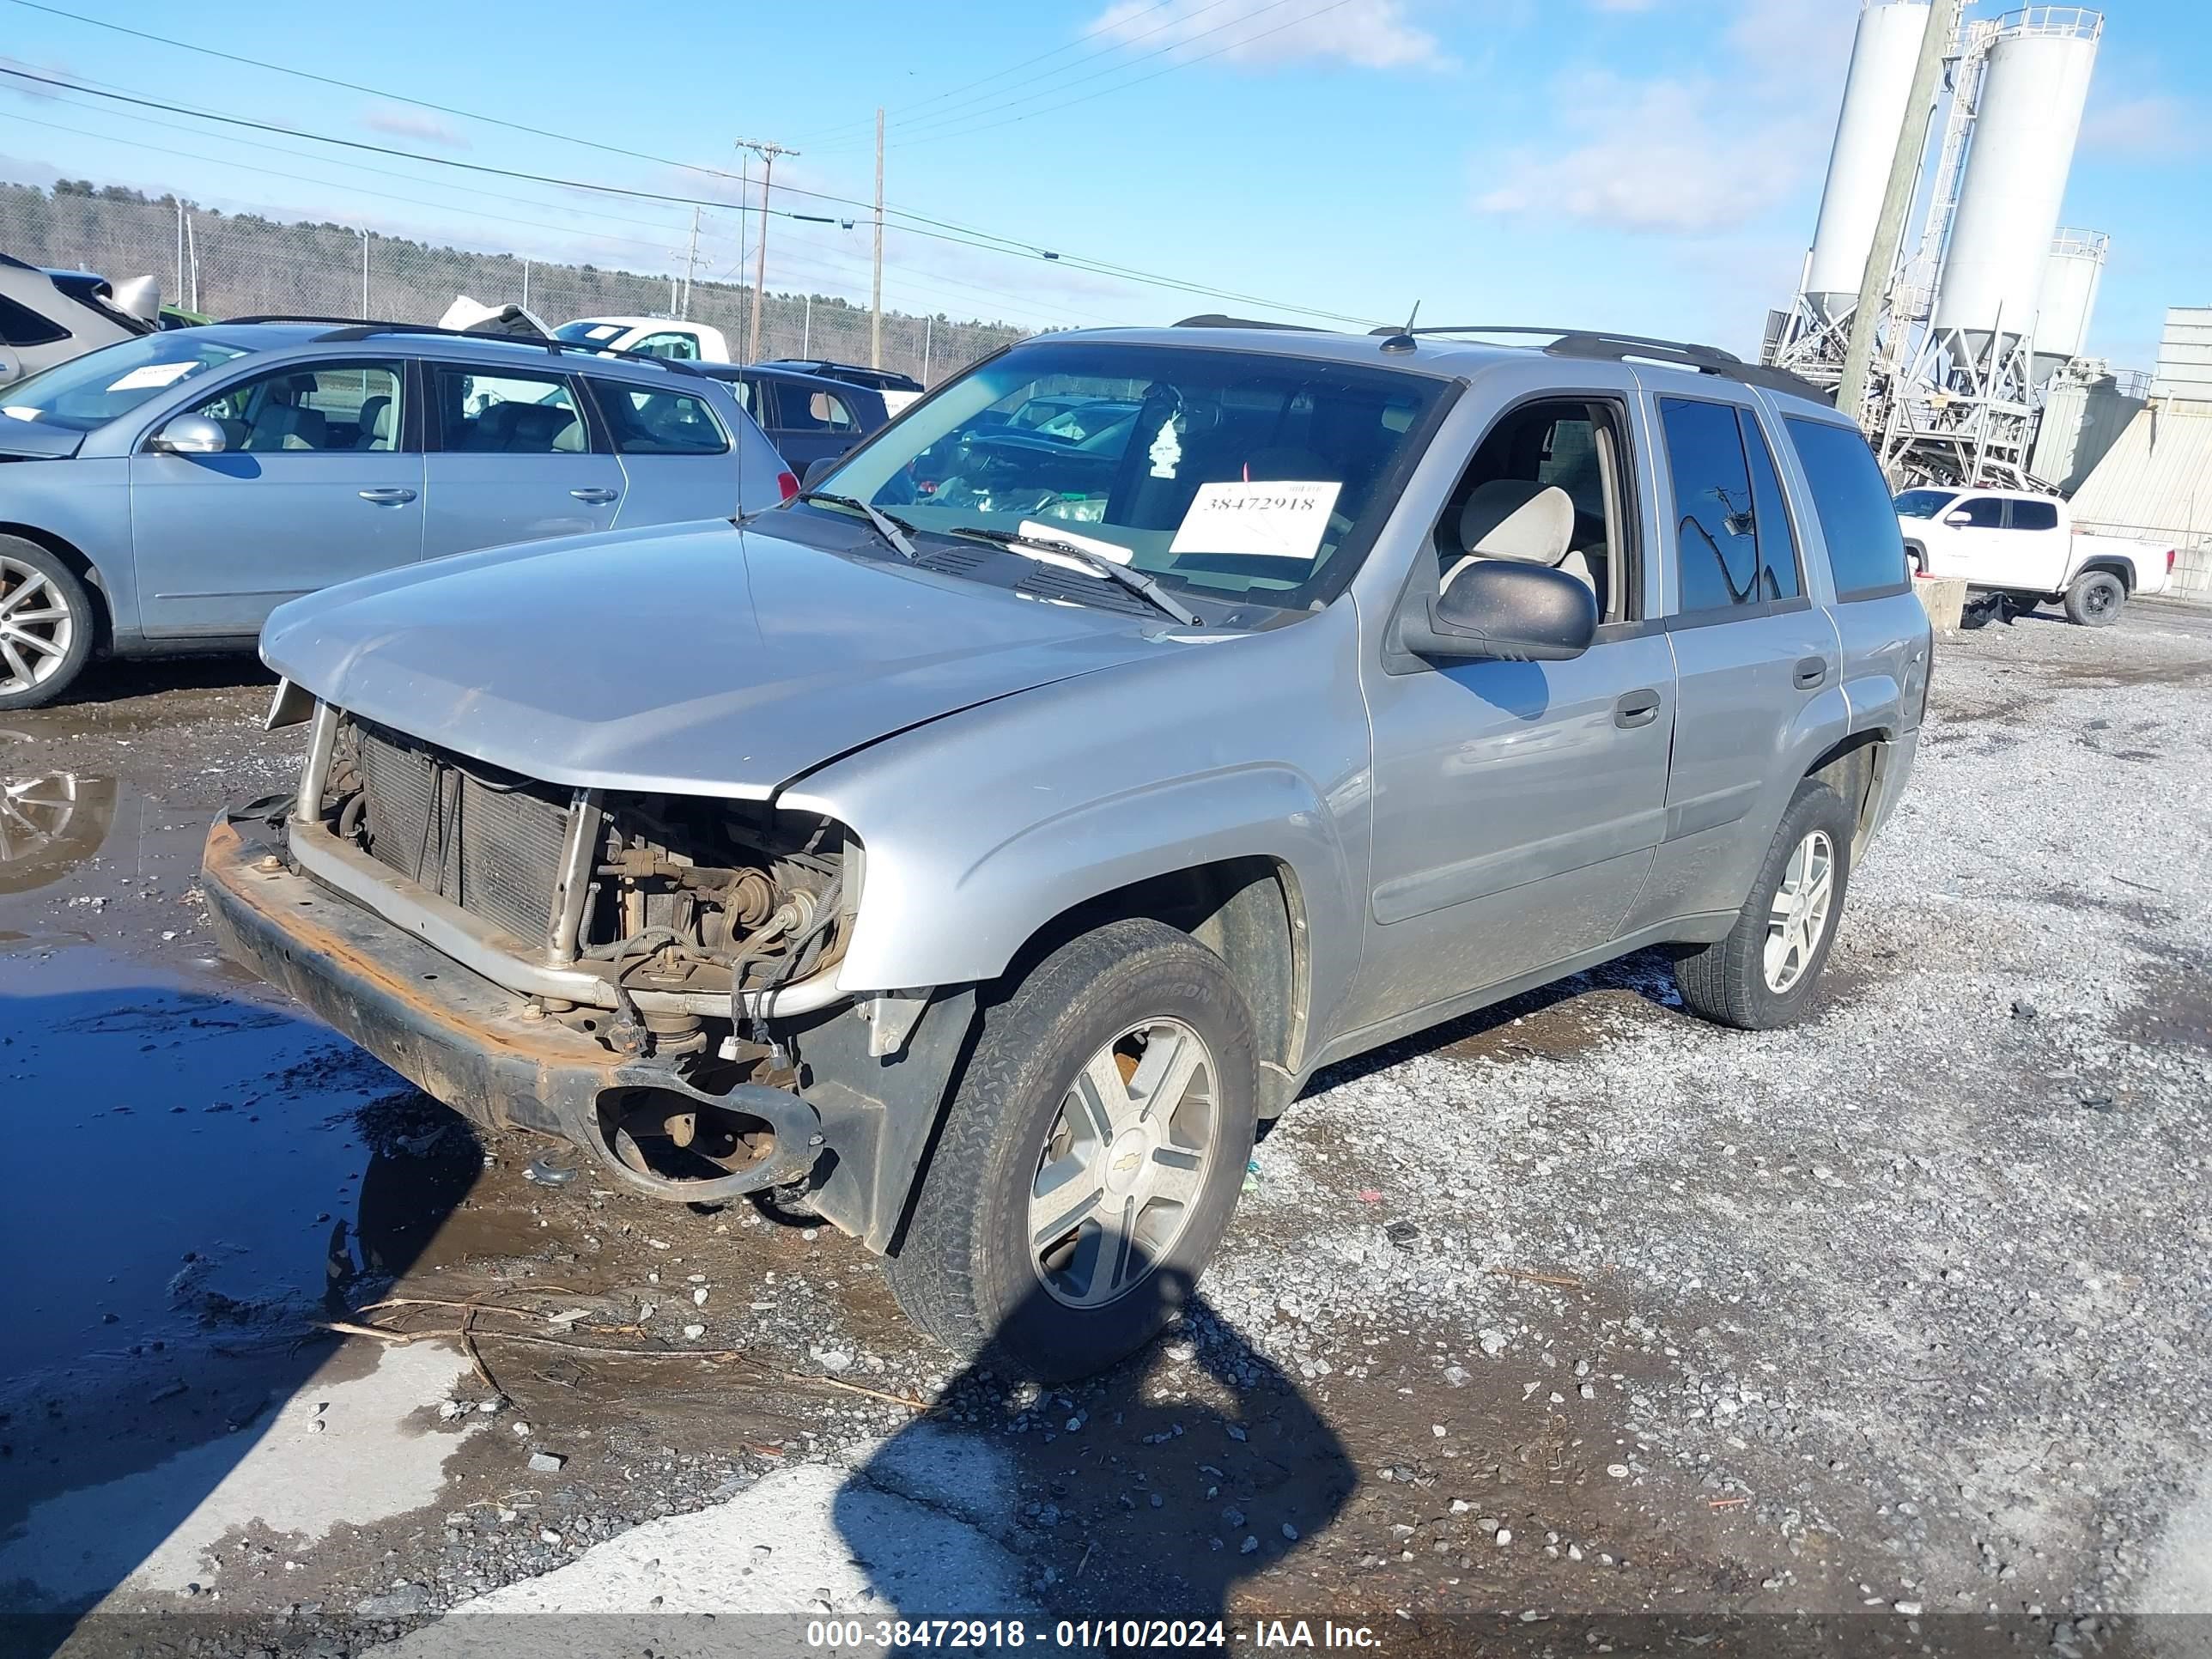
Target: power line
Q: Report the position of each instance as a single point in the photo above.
(1123, 86)
(950, 232)
(1098, 28)
(953, 118)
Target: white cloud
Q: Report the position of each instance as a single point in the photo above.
(1371, 34)
(395, 123)
(1665, 155)
(1684, 152)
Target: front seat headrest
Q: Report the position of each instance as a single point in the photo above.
(1517, 518)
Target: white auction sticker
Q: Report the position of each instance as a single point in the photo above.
(1277, 520)
(153, 375)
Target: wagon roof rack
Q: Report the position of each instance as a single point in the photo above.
(346, 329)
(1216, 319)
(1599, 346)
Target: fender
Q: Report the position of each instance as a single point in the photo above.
(980, 828)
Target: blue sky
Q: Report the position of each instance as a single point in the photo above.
(1644, 164)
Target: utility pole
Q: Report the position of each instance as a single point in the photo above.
(875, 291)
(1896, 203)
(768, 153)
(691, 265)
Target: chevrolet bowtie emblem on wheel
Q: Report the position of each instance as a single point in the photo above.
(1123, 1166)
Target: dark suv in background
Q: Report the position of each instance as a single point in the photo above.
(808, 418)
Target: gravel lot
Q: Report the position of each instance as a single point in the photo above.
(1577, 1307)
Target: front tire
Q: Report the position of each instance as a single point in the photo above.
(1761, 976)
(2095, 599)
(46, 625)
(1090, 1160)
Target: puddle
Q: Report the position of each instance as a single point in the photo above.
(177, 1159)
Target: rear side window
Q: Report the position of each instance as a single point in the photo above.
(649, 421)
(805, 411)
(509, 413)
(20, 326)
(1727, 553)
(1858, 520)
(2035, 515)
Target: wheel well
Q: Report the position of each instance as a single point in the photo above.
(82, 568)
(1853, 769)
(1247, 911)
(2115, 566)
(1916, 555)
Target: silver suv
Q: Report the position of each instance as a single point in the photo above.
(976, 850)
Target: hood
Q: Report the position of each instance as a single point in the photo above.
(699, 660)
(35, 439)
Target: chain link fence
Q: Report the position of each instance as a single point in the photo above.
(242, 265)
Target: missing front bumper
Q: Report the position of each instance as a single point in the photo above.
(456, 1035)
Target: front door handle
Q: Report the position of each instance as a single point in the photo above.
(596, 496)
(1636, 708)
(1812, 673)
(393, 496)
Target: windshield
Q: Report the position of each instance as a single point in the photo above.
(1923, 503)
(585, 331)
(103, 385)
(1224, 471)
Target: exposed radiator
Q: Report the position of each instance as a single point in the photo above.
(484, 840)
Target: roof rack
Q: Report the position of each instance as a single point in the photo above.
(1215, 319)
(1601, 347)
(352, 328)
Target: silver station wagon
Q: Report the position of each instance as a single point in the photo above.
(975, 851)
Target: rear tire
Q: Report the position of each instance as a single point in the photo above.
(1761, 976)
(2096, 598)
(46, 625)
(1058, 1121)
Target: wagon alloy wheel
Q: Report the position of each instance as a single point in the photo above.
(1123, 1162)
(1798, 919)
(37, 626)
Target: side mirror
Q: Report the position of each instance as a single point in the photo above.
(1506, 611)
(191, 434)
(818, 468)
(1961, 517)
(11, 366)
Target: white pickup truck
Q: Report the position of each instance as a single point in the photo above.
(2024, 543)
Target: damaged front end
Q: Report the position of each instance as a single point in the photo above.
(654, 976)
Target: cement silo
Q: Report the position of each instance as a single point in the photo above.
(2067, 297)
(1875, 89)
(2034, 88)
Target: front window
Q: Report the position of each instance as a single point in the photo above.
(1923, 503)
(104, 385)
(1227, 472)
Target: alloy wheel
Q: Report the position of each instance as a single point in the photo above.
(1124, 1163)
(1798, 918)
(36, 628)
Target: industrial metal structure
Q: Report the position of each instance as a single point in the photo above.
(1995, 298)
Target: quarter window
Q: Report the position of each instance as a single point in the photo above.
(1858, 520)
(647, 421)
(20, 326)
(508, 414)
(319, 407)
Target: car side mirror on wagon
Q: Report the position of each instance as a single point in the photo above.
(11, 366)
(1961, 517)
(191, 434)
(1505, 610)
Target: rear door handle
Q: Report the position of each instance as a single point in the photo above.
(1636, 708)
(1812, 671)
(596, 496)
(393, 496)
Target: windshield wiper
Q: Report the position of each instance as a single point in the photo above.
(1136, 580)
(894, 532)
